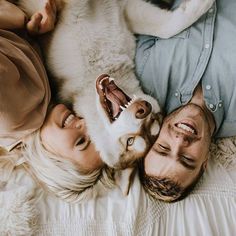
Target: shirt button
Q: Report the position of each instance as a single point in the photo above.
(211, 10)
(207, 45)
(176, 94)
(220, 105)
(208, 87)
(212, 106)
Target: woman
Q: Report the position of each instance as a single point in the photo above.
(56, 146)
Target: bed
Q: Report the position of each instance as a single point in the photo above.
(26, 209)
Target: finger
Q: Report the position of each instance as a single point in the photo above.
(48, 8)
(53, 5)
(34, 24)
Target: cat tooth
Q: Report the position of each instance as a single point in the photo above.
(101, 81)
(122, 108)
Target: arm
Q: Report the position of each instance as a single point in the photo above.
(11, 17)
(145, 18)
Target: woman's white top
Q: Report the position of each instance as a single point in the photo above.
(209, 210)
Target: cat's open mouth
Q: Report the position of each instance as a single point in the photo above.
(112, 98)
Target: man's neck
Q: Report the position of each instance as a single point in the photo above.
(199, 100)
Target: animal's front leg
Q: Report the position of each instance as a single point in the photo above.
(193, 9)
(186, 14)
(145, 18)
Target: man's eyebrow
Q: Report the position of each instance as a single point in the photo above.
(156, 150)
(190, 167)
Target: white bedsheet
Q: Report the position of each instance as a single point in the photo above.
(209, 210)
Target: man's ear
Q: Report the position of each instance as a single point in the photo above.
(124, 179)
(204, 164)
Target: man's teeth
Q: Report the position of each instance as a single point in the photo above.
(186, 128)
(69, 119)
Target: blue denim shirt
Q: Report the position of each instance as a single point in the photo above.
(205, 53)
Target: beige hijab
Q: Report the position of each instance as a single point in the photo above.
(24, 90)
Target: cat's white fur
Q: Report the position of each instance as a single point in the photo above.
(93, 37)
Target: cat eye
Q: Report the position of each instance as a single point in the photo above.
(130, 141)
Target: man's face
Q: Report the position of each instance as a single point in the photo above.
(182, 146)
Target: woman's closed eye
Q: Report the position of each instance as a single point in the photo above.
(82, 143)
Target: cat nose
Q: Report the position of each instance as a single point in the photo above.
(142, 109)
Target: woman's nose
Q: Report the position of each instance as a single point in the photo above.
(80, 123)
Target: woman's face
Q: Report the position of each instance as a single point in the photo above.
(66, 135)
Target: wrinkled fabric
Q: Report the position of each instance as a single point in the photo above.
(24, 89)
(209, 210)
(202, 54)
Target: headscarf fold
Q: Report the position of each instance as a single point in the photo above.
(24, 90)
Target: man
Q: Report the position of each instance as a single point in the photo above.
(193, 76)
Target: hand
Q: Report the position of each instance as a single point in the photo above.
(43, 21)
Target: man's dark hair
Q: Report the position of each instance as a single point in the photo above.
(163, 188)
